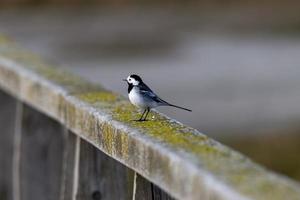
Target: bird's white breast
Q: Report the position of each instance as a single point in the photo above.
(137, 99)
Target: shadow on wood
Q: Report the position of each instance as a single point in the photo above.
(7, 122)
(41, 156)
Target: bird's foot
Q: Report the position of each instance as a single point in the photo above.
(139, 120)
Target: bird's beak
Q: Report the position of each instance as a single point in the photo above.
(124, 80)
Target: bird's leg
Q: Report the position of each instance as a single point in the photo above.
(148, 110)
(141, 119)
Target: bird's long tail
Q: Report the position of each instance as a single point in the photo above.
(179, 107)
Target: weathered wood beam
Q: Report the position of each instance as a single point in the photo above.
(177, 158)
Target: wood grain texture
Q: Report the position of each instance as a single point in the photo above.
(145, 190)
(159, 194)
(41, 156)
(7, 118)
(177, 158)
(101, 177)
(67, 179)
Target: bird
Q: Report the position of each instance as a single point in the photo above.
(143, 97)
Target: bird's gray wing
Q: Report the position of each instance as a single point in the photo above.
(149, 94)
(152, 96)
(144, 87)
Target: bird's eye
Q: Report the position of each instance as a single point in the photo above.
(129, 79)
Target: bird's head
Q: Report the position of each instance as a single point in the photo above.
(133, 80)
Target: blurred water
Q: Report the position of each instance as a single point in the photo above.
(235, 83)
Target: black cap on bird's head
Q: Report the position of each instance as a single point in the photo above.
(133, 79)
(136, 77)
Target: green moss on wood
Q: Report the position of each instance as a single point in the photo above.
(230, 167)
(73, 84)
(99, 97)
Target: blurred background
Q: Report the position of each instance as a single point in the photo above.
(235, 63)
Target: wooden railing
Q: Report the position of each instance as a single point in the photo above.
(65, 138)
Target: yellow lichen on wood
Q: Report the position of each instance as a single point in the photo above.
(106, 119)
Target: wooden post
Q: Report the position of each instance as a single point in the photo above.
(41, 156)
(7, 119)
(145, 190)
(69, 163)
(101, 177)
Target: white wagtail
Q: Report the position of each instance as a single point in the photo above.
(143, 97)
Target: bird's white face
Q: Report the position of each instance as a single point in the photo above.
(132, 81)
